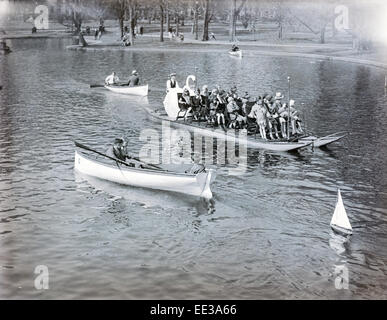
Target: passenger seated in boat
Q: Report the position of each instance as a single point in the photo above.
(197, 103)
(234, 48)
(134, 79)
(272, 116)
(172, 83)
(185, 104)
(220, 108)
(205, 100)
(211, 115)
(294, 119)
(236, 119)
(259, 113)
(112, 79)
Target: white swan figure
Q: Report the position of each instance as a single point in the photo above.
(171, 101)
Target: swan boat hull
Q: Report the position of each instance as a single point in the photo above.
(231, 136)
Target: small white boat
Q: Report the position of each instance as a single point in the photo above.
(340, 222)
(193, 184)
(137, 90)
(237, 53)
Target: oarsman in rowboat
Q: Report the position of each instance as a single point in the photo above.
(234, 48)
(172, 83)
(112, 79)
(119, 151)
(134, 79)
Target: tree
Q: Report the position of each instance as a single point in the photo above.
(234, 17)
(162, 4)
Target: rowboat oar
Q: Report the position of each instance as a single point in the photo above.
(97, 85)
(79, 145)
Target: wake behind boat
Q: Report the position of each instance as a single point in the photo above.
(196, 182)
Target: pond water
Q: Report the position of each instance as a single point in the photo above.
(266, 233)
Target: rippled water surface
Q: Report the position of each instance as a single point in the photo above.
(267, 235)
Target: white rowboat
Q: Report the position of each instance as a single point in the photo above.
(236, 53)
(340, 222)
(192, 184)
(137, 90)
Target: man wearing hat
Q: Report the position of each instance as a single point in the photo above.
(118, 150)
(172, 83)
(134, 79)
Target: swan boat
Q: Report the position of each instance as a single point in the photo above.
(171, 110)
(137, 90)
(196, 184)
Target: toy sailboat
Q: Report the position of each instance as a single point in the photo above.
(340, 222)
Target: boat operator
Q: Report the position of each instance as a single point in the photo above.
(119, 151)
(134, 79)
(112, 79)
(172, 83)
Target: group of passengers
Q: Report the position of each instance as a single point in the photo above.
(228, 109)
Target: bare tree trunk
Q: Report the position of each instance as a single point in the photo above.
(177, 24)
(206, 20)
(196, 21)
(322, 34)
(167, 15)
(161, 22)
(131, 16)
(233, 22)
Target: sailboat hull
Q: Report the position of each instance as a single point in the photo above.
(342, 231)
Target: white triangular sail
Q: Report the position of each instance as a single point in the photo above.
(340, 218)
